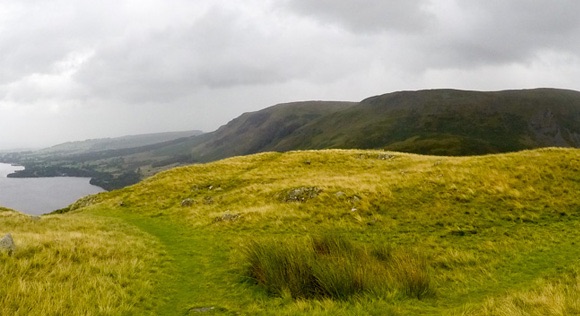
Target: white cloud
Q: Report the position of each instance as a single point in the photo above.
(366, 15)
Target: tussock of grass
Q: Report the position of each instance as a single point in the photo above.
(330, 266)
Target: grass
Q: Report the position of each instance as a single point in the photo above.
(557, 296)
(486, 235)
(77, 265)
(331, 266)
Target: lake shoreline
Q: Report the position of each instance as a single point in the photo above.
(41, 195)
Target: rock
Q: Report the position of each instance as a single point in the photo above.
(202, 309)
(340, 194)
(354, 199)
(208, 200)
(7, 244)
(385, 156)
(230, 217)
(302, 194)
(227, 217)
(187, 202)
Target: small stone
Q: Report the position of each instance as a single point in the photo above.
(187, 202)
(354, 199)
(301, 194)
(385, 156)
(340, 194)
(227, 217)
(202, 309)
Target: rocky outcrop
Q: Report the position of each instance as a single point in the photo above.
(547, 131)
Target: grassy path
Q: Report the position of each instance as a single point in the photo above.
(197, 273)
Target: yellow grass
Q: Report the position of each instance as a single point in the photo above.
(76, 265)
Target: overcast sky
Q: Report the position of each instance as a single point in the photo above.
(78, 69)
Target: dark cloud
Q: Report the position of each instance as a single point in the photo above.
(475, 33)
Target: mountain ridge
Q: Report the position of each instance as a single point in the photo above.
(394, 120)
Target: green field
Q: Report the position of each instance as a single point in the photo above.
(332, 232)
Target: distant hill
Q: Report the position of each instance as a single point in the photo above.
(104, 144)
(437, 122)
(257, 131)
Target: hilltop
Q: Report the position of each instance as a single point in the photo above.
(436, 122)
(480, 235)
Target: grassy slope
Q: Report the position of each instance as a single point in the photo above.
(499, 232)
(77, 265)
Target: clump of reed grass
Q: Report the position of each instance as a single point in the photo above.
(331, 266)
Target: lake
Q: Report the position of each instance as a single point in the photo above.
(36, 196)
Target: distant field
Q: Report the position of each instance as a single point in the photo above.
(332, 232)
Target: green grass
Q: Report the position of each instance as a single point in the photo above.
(331, 266)
(486, 235)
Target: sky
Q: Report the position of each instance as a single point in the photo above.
(78, 69)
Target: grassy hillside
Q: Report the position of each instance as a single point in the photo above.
(263, 130)
(365, 232)
(449, 122)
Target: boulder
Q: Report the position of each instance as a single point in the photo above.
(7, 244)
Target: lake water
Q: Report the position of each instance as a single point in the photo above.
(38, 196)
